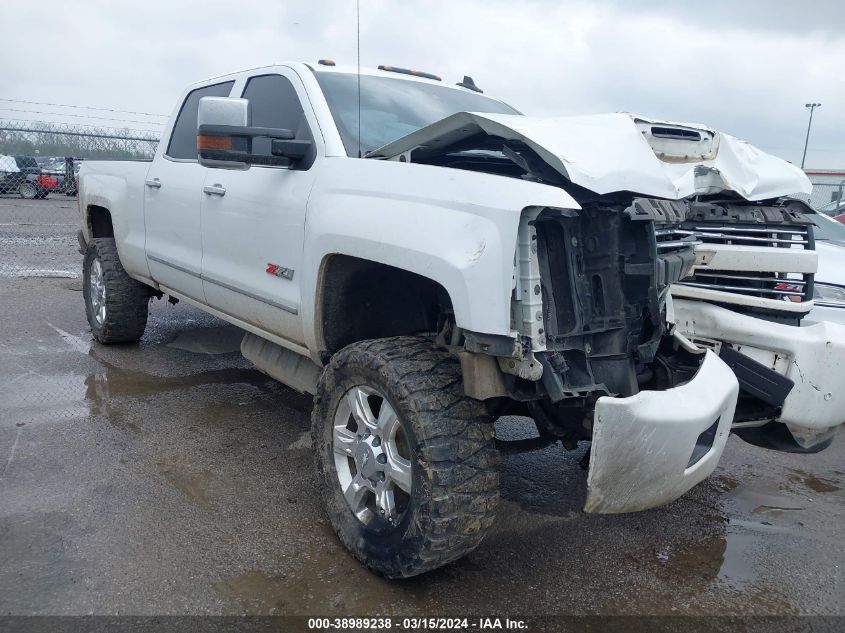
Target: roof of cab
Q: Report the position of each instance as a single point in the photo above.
(346, 69)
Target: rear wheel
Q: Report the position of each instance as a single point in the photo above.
(116, 304)
(406, 462)
(27, 190)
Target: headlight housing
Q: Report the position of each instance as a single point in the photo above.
(826, 294)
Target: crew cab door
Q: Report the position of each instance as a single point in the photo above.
(173, 199)
(253, 221)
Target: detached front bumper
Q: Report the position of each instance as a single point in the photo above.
(651, 448)
(811, 356)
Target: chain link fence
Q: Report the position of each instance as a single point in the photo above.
(828, 197)
(39, 167)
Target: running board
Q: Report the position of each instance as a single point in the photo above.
(292, 369)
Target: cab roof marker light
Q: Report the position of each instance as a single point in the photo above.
(406, 71)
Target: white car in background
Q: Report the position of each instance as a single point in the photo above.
(829, 283)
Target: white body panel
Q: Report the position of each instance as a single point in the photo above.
(685, 291)
(831, 264)
(119, 187)
(753, 258)
(458, 230)
(260, 220)
(172, 214)
(642, 445)
(814, 358)
(831, 271)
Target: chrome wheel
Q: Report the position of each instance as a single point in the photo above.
(372, 456)
(97, 292)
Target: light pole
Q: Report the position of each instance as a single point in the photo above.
(811, 106)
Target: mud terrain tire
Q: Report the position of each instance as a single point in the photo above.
(116, 305)
(448, 436)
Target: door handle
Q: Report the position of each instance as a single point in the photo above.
(215, 190)
(155, 183)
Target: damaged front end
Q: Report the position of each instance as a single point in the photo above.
(597, 352)
(589, 296)
(597, 361)
(594, 357)
(651, 448)
(751, 285)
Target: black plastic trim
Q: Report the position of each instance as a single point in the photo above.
(757, 379)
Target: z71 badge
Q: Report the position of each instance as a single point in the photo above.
(280, 271)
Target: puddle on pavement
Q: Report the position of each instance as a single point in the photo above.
(735, 553)
(223, 339)
(116, 382)
(330, 583)
(76, 343)
(333, 583)
(759, 497)
(36, 396)
(814, 482)
(104, 389)
(193, 485)
(704, 559)
(737, 568)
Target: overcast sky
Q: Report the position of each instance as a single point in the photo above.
(746, 67)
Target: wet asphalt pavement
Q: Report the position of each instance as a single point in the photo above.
(171, 478)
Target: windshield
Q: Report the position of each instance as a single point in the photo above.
(828, 229)
(392, 108)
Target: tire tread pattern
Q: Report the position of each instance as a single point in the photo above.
(454, 446)
(127, 300)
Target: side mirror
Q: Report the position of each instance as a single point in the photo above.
(224, 137)
(217, 151)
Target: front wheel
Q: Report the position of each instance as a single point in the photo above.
(116, 304)
(406, 462)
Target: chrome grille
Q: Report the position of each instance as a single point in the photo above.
(752, 228)
(775, 285)
(749, 235)
(674, 239)
(792, 287)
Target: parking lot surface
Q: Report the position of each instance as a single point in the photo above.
(170, 477)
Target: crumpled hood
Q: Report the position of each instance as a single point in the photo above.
(607, 153)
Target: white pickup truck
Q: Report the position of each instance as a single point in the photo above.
(424, 259)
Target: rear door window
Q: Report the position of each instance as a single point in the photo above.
(183, 140)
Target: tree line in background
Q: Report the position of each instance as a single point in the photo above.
(45, 138)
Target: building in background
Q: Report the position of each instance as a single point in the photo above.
(828, 190)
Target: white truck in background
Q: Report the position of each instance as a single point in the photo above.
(455, 261)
